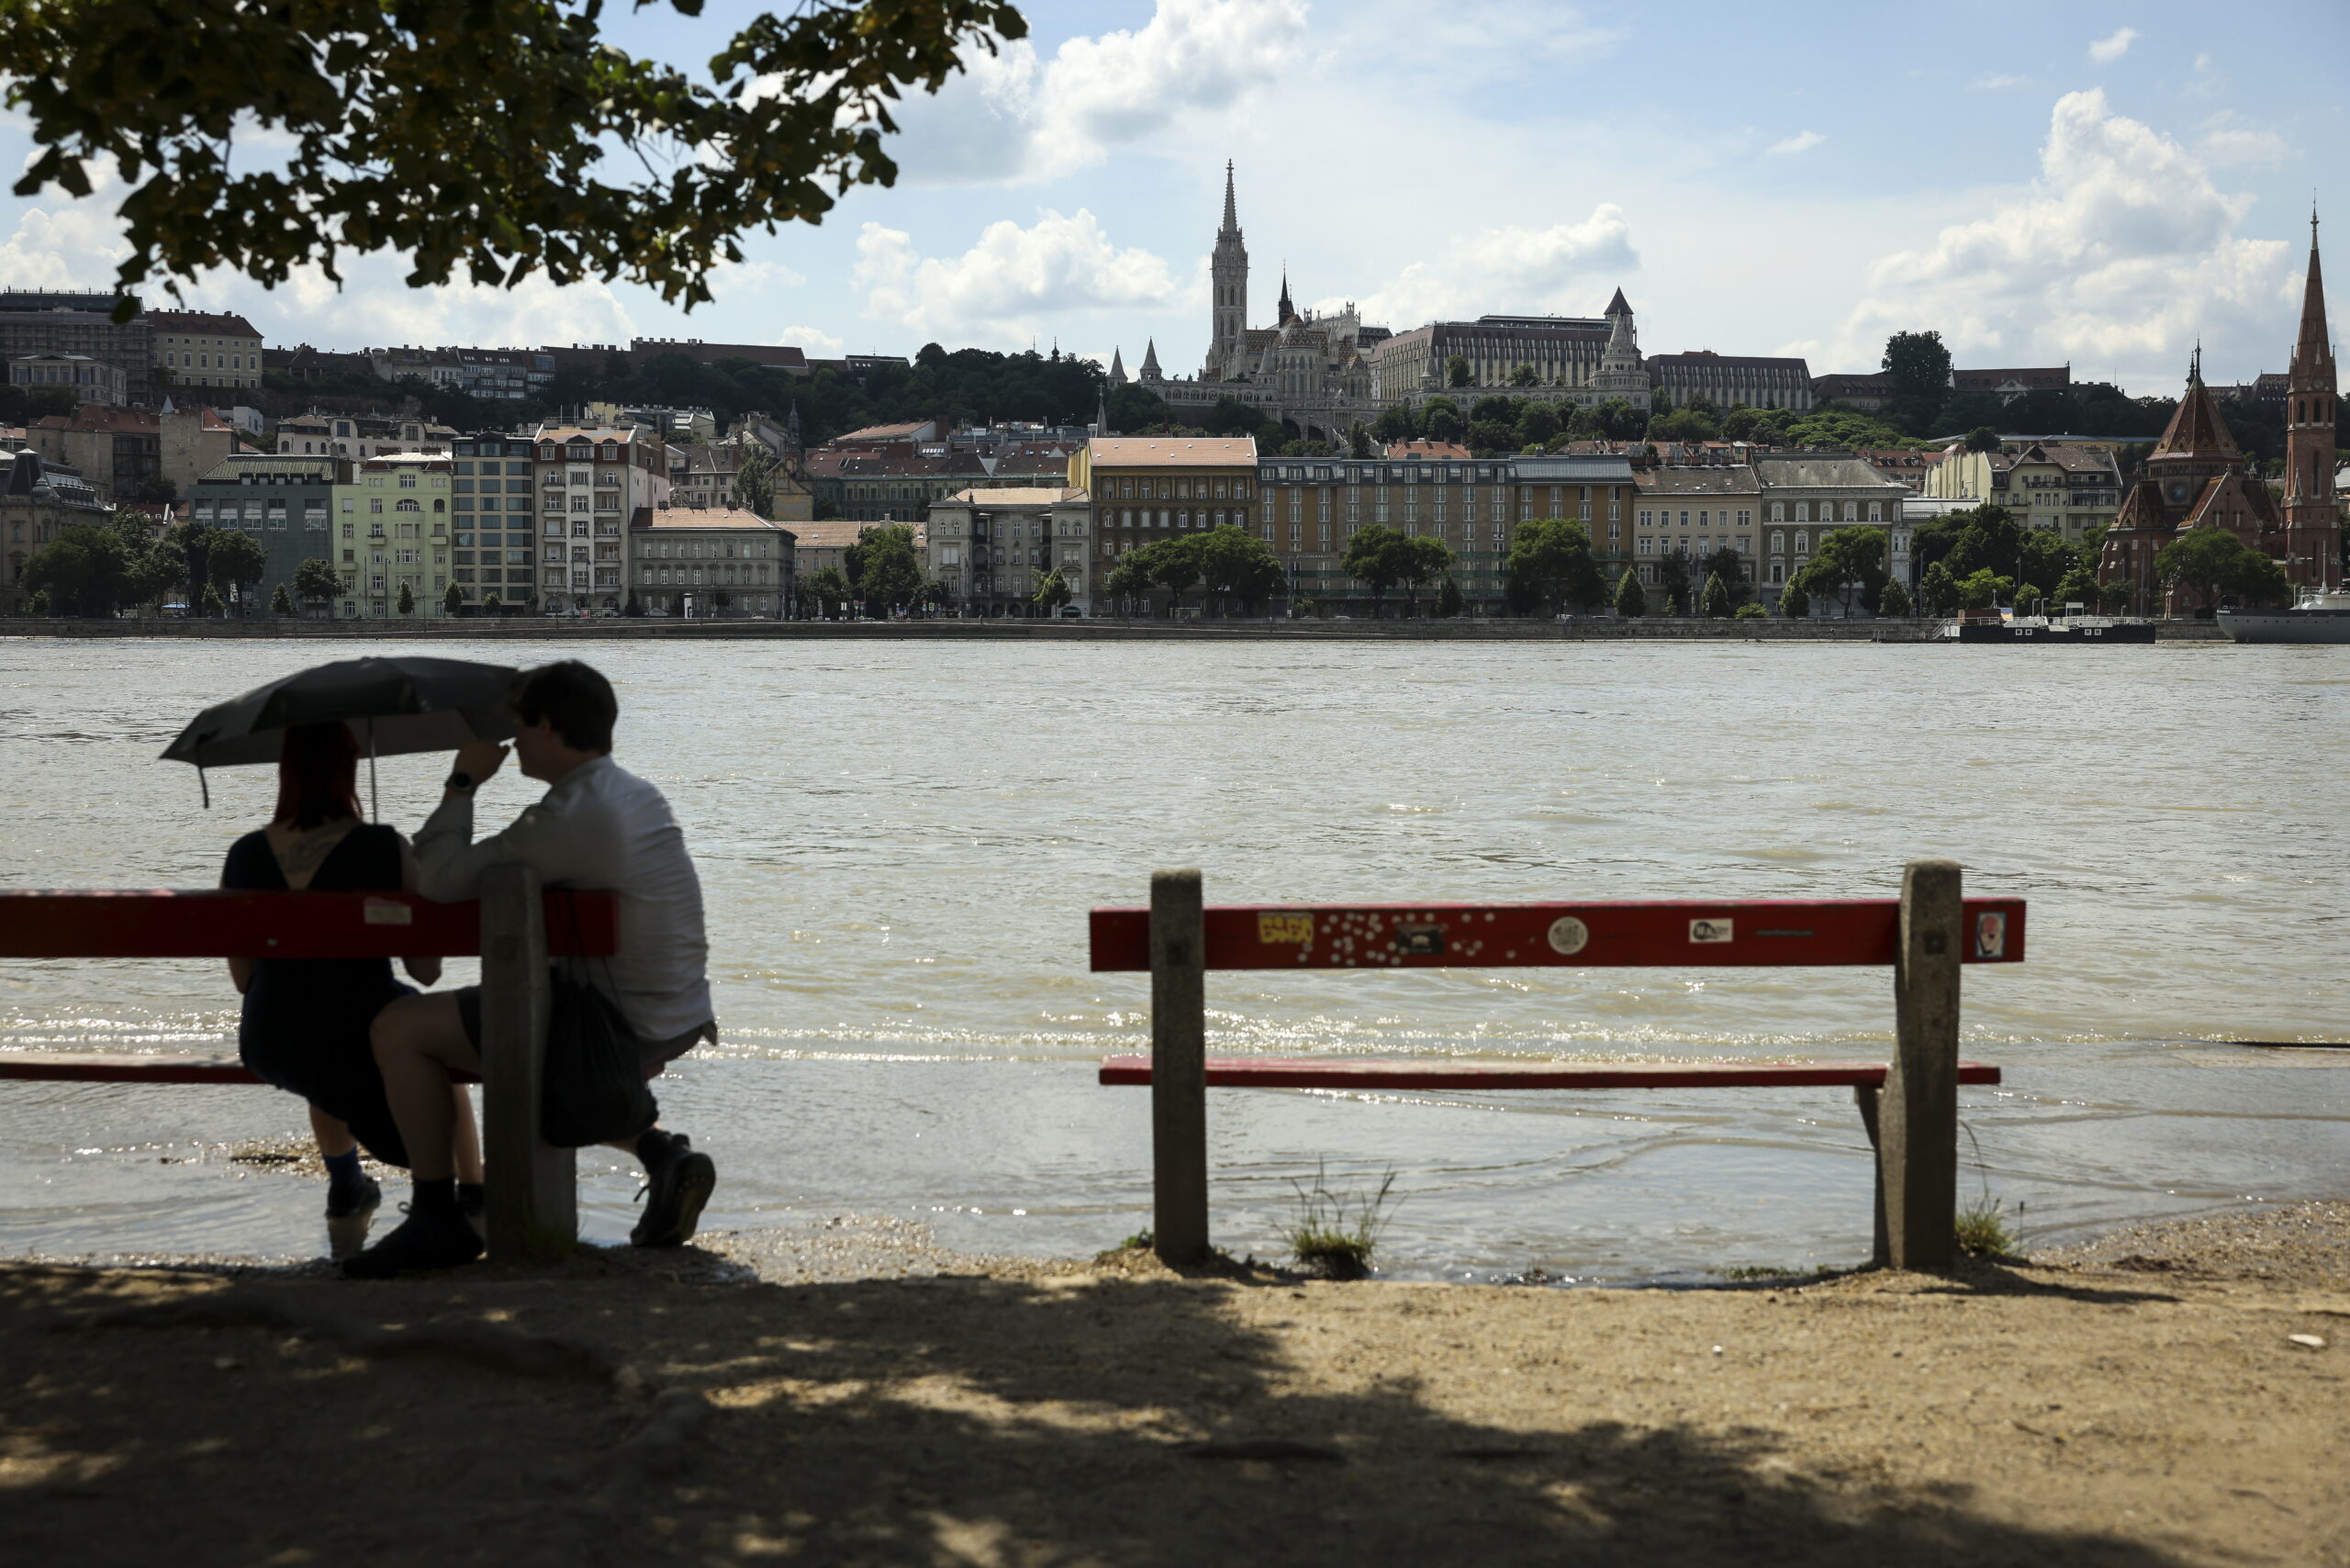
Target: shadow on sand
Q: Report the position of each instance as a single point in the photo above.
(1094, 1418)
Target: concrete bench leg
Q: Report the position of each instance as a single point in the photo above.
(1178, 1082)
(532, 1197)
(1865, 1094)
(1918, 1154)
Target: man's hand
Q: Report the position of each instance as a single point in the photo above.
(479, 759)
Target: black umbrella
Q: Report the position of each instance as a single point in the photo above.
(392, 706)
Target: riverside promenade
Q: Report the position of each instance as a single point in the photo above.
(534, 628)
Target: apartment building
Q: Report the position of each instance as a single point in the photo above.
(285, 504)
(1701, 510)
(493, 501)
(85, 379)
(391, 531)
(594, 483)
(356, 436)
(37, 500)
(1806, 499)
(713, 563)
(80, 320)
(992, 548)
(2064, 486)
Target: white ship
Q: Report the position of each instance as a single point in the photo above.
(2323, 615)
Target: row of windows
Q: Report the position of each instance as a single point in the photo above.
(179, 360)
(1163, 489)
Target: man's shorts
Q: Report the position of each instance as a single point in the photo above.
(654, 1054)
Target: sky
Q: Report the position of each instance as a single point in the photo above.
(2097, 184)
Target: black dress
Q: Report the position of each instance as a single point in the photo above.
(306, 1020)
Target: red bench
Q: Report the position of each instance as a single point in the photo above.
(1909, 1107)
(533, 1206)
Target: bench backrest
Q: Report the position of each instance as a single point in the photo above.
(218, 923)
(1561, 935)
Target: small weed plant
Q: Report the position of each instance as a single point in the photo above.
(1983, 1230)
(1335, 1233)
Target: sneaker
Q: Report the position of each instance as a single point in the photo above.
(349, 1203)
(418, 1243)
(679, 1186)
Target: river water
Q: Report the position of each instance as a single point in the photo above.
(899, 842)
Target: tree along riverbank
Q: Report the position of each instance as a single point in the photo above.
(536, 628)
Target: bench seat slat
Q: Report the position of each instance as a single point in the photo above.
(220, 923)
(101, 1067)
(1603, 935)
(1315, 1072)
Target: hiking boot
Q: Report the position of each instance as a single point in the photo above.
(350, 1202)
(679, 1186)
(420, 1242)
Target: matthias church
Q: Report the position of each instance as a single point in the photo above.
(1319, 375)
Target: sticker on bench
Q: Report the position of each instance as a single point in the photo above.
(1710, 930)
(1991, 934)
(1419, 941)
(1285, 929)
(1568, 936)
(385, 912)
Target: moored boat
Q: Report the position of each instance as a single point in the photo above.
(2322, 615)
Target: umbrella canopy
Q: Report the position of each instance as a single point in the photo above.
(392, 706)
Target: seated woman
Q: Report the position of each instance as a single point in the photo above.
(306, 1020)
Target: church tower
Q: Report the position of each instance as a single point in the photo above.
(2312, 511)
(1228, 273)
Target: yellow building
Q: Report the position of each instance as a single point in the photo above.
(200, 348)
(2066, 486)
(391, 530)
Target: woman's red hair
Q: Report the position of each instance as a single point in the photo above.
(318, 771)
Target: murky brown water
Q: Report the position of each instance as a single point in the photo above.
(899, 842)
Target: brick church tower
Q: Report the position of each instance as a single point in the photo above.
(2312, 511)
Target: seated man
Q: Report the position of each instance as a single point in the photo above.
(598, 827)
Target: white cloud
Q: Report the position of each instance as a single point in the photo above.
(815, 342)
(71, 245)
(1568, 267)
(1013, 285)
(1013, 117)
(1802, 142)
(2113, 46)
(2228, 145)
(1997, 84)
(2123, 253)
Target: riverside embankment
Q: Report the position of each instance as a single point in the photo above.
(625, 629)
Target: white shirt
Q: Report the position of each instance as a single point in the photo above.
(598, 827)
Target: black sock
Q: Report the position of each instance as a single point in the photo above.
(654, 1149)
(470, 1198)
(343, 1170)
(435, 1200)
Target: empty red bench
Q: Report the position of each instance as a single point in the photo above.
(531, 1197)
(1910, 1106)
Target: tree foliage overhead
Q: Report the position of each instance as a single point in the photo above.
(473, 135)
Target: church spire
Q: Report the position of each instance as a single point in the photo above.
(1231, 212)
(2312, 368)
(2312, 511)
(1285, 310)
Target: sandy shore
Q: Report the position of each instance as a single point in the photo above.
(848, 1394)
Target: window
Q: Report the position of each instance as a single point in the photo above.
(1803, 541)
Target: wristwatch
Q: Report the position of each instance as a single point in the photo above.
(460, 781)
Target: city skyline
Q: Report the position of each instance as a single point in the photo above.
(2123, 185)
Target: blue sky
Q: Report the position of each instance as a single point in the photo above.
(2089, 184)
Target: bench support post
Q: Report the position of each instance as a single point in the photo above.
(1179, 1090)
(1866, 1096)
(532, 1198)
(1918, 1152)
